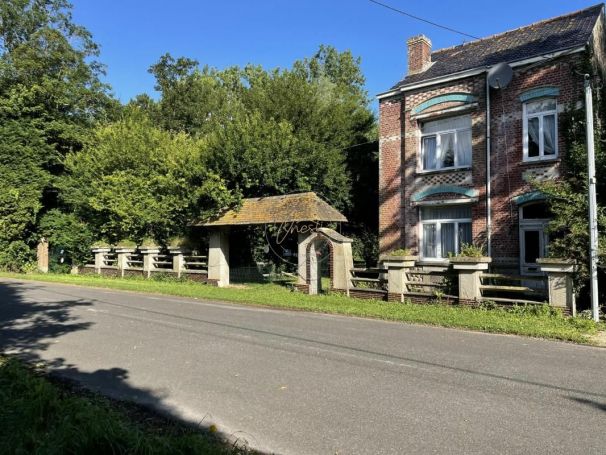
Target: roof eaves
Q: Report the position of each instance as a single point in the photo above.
(474, 71)
(533, 24)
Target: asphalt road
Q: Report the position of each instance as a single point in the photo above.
(301, 383)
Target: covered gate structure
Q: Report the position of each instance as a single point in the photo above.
(301, 214)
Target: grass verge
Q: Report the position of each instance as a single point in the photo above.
(529, 321)
(40, 416)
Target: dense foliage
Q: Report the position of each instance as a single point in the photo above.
(569, 230)
(134, 181)
(79, 167)
(270, 132)
(307, 128)
(50, 97)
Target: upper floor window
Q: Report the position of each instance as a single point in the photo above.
(540, 129)
(446, 143)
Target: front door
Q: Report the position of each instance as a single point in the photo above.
(533, 237)
(533, 244)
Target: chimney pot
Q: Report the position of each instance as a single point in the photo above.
(419, 54)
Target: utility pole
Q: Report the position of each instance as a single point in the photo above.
(593, 219)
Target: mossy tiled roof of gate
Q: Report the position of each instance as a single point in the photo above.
(277, 209)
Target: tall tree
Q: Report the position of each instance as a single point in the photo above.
(50, 96)
(272, 132)
(135, 180)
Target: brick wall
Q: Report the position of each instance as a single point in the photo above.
(390, 175)
(400, 145)
(511, 175)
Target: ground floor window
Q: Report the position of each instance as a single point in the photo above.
(444, 229)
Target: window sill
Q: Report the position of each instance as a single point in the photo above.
(442, 171)
(555, 159)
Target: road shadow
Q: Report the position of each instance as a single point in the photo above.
(591, 403)
(29, 326)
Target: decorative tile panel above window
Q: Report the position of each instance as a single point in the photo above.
(540, 129)
(446, 144)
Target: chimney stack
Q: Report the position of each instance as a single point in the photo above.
(419, 54)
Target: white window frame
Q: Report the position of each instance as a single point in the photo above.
(540, 116)
(438, 224)
(532, 224)
(438, 136)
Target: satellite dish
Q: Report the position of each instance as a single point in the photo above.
(500, 75)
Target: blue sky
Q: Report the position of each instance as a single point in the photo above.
(133, 34)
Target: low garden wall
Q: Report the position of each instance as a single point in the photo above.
(464, 281)
(147, 262)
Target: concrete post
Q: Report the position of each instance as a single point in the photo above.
(122, 258)
(99, 256)
(315, 278)
(342, 263)
(42, 256)
(559, 282)
(218, 256)
(148, 253)
(178, 260)
(397, 268)
(302, 257)
(470, 271)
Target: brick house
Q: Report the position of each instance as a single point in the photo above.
(458, 158)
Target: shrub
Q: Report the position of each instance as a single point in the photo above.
(149, 242)
(469, 250)
(17, 256)
(64, 231)
(400, 252)
(126, 244)
(541, 310)
(365, 246)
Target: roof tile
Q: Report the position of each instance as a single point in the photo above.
(544, 37)
(277, 209)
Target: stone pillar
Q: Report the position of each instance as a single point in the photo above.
(178, 256)
(342, 260)
(559, 282)
(148, 253)
(397, 268)
(302, 257)
(218, 256)
(315, 283)
(122, 258)
(470, 270)
(99, 256)
(42, 255)
(342, 263)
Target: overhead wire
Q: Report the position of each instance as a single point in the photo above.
(412, 16)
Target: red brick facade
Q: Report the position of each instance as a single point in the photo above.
(400, 127)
